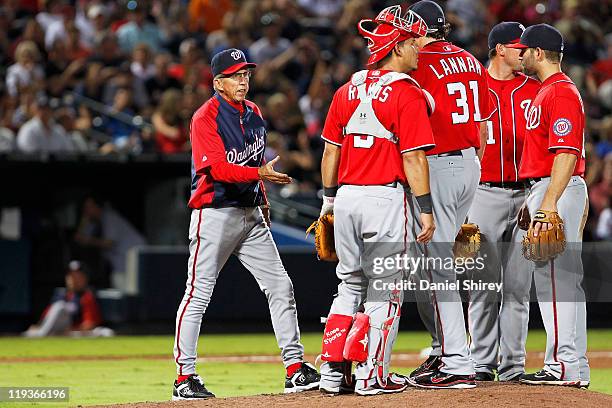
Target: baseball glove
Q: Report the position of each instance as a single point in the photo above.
(324, 237)
(467, 243)
(548, 244)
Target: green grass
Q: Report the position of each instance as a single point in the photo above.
(224, 344)
(141, 379)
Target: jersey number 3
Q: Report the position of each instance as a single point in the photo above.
(463, 116)
(363, 141)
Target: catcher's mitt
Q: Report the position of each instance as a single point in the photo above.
(548, 244)
(324, 237)
(467, 243)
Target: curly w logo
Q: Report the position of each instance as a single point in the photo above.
(237, 55)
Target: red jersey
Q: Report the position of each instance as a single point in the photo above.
(401, 108)
(506, 128)
(555, 123)
(458, 83)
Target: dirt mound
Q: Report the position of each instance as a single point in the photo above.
(486, 394)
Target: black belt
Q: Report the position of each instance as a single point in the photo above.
(532, 181)
(393, 184)
(451, 153)
(510, 185)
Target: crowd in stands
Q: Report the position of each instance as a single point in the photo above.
(125, 76)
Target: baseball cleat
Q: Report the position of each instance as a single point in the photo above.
(347, 386)
(398, 378)
(440, 380)
(544, 377)
(431, 364)
(585, 385)
(514, 379)
(482, 376)
(305, 379)
(191, 388)
(372, 387)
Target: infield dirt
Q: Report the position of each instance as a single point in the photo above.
(486, 394)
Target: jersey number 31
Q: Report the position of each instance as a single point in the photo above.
(463, 116)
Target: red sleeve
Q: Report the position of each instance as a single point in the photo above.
(487, 106)
(333, 129)
(90, 311)
(232, 173)
(572, 151)
(566, 124)
(206, 146)
(414, 127)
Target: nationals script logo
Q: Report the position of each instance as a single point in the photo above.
(237, 55)
(251, 151)
(533, 118)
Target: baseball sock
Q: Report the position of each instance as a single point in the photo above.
(293, 368)
(182, 378)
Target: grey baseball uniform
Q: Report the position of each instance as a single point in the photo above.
(495, 211)
(215, 234)
(453, 181)
(498, 199)
(559, 290)
(228, 144)
(364, 217)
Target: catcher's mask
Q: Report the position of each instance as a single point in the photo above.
(391, 29)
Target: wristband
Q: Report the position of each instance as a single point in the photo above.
(330, 191)
(425, 203)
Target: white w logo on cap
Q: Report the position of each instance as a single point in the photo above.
(237, 55)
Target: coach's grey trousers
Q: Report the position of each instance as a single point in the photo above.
(453, 181)
(215, 234)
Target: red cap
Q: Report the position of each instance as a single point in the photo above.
(390, 30)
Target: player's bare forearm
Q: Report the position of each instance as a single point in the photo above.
(329, 165)
(562, 170)
(483, 139)
(416, 169)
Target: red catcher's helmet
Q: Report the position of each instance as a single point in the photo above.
(391, 28)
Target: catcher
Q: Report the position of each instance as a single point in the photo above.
(376, 131)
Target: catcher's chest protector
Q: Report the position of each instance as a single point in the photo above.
(364, 120)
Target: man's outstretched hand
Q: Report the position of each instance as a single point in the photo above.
(267, 173)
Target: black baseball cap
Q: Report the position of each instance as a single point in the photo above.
(229, 61)
(431, 12)
(541, 36)
(507, 32)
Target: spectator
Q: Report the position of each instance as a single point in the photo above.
(170, 132)
(92, 24)
(25, 74)
(107, 52)
(67, 118)
(104, 229)
(327, 10)
(161, 81)
(206, 15)
(191, 63)
(604, 224)
(76, 47)
(32, 32)
(72, 309)
(142, 68)
(600, 193)
(119, 123)
(41, 134)
(56, 30)
(139, 30)
(271, 44)
(61, 71)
